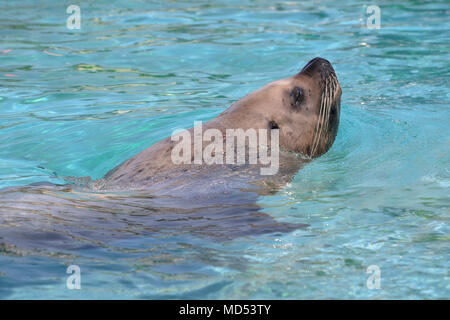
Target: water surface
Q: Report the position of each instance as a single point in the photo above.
(79, 102)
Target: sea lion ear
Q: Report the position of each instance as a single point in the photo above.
(273, 125)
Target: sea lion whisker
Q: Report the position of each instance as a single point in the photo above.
(316, 130)
(320, 121)
(331, 96)
(318, 125)
(327, 109)
(329, 103)
(322, 118)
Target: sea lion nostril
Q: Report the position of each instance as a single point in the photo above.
(333, 110)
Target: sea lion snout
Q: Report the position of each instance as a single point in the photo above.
(318, 64)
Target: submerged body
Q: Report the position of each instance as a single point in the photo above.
(151, 193)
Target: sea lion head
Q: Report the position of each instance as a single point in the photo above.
(304, 108)
(323, 98)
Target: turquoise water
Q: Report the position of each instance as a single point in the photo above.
(79, 102)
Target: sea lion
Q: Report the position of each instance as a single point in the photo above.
(304, 108)
(150, 193)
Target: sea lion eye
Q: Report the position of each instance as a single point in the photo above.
(297, 95)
